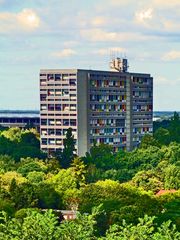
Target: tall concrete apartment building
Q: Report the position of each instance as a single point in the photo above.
(112, 107)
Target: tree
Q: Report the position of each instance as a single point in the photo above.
(32, 166)
(7, 163)
(172, 177)
(48, 198)
(79, 170)
(23, 195)
(101, 156)
(145, 229)
(148, 181)
(162, 135)
(33, 226)
(147, 141)
(66, 156)
(30, 139)
(170, 203)
(174, 127)
(120, 201)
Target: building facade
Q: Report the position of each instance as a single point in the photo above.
(21, 119)
(111, 107)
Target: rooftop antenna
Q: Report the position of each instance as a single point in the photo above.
(118, 64)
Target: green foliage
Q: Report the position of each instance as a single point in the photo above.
(78, 170)
(148, 141)
(63, 181)
(34, 226)
(168, 131)
(162, 135)
(31, 165)
(23, 195)
(20, 143)
(170, 204)
(147, 180)
(35, 177)
(119, 201)
(172, 177)
(145, 229)
(7, 163)
(124, 184)
(31, 224)
(13, 134)
(67, 155)
(47, 197)
(101, 156)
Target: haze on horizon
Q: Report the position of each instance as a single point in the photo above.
(37, 34)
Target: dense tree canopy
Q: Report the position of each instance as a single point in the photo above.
(118, 195)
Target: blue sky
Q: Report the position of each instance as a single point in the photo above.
(37, 34)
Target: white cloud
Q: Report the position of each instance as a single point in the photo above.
(95, 34)
(166, 4)
(26, 20)
(171, 25)
(171, 56)
(67, 52)
(144, 15)
(70, 43)
(164, 81)
(99, 21)
(120, 2)
(108, 51)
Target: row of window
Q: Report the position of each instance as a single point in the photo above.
(53, 141)
(107, 83)
(55, 132)
(70, 82)
(141, 80)
(107, 98)
(58, 122)
(108, 107)
(58, 107)
(107, 76)
(57, 75)
(115, 140)
(142, 130)
(142, 94)
(139, 108)
(107, 122)
(107, 131)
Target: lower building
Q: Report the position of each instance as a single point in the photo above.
(21, 119)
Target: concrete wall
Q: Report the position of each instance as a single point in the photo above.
(82, 98)
(128, 113)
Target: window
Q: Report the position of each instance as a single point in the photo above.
(51, 132)
(44, 141)
(72, 122)
(43, 107)
(50, 77)
(58, 107)
(72, 82)
(66, 122)
(43, 97)
(57, 77)
(51, 141)
(51, 122)
(58, 132)
(43, 122)
(51, 107)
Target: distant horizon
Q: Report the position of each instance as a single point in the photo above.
(38, 110)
